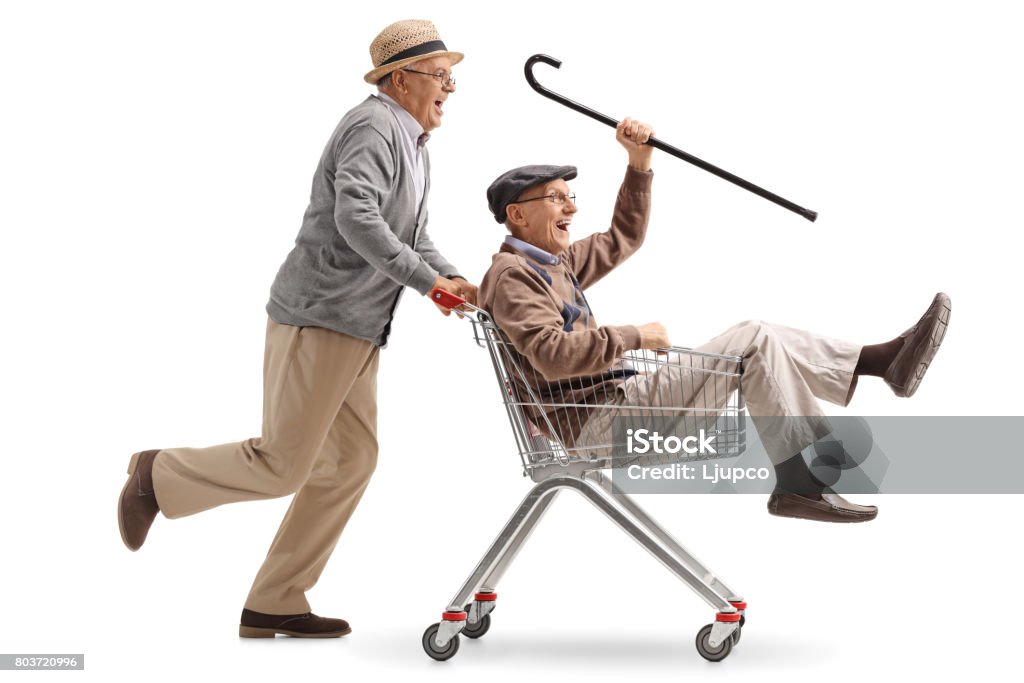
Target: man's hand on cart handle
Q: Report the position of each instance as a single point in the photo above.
(449, 295)
(653, 336)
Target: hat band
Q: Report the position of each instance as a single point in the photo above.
(416, 51)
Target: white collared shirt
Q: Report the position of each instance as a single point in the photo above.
(413, 132)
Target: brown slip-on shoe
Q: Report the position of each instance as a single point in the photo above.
(920, 343)
(308, 625)
(830, 508)
(137, 506)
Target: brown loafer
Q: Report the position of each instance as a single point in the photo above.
(308, 625)
(830, 508)
(920, 343)
(137, 506)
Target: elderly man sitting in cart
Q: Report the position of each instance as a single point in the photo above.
(534, 291)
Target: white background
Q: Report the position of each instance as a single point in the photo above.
(155, 161)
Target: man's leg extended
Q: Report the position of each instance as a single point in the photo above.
(785, 371)
(801, 365)
(307, 374)
(322, 507)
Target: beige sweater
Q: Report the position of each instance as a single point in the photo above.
(565, 356)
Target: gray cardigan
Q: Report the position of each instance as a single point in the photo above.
(362, 239)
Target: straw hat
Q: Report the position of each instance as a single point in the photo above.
(405, 42)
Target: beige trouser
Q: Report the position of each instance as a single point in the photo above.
(319, 441)
(785, 371)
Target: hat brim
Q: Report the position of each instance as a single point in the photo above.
(383, 70)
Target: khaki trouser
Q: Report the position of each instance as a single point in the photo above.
(319, 441)
(785, 371)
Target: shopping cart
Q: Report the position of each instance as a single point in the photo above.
(566, 439)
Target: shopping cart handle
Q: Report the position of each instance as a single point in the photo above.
(446, 299)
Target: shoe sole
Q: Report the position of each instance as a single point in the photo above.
(843, 520)
(926, 352)
(132, 465)
(255, 632)
(847, 518)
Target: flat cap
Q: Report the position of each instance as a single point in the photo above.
(509, 185)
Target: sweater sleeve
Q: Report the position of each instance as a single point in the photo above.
(525, 312)
(594, 257)
(365, 174)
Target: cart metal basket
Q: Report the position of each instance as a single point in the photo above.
(564, 431)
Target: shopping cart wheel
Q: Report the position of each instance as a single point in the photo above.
(479, 628)
(435, 652)
(712, 654)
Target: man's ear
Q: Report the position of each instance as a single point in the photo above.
(514, 216)
(398, 81)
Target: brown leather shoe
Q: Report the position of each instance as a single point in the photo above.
(830, 508)
(137, 506)
(920, 343)
(308, 625)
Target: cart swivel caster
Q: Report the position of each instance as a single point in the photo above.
(712, 654)
(485, 602)
(478, 629)
(433, 650)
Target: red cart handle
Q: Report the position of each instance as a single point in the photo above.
(446, 299)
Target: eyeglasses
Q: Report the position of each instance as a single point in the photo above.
(447, 80)
(554, 198)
